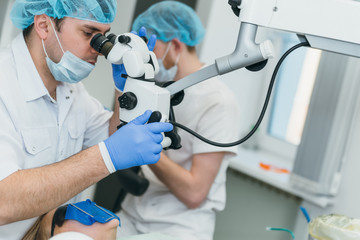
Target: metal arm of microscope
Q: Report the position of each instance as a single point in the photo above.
(329, 25)
(246, 53)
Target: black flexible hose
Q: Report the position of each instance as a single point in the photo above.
(266, 103)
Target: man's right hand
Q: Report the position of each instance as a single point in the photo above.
(136, 143)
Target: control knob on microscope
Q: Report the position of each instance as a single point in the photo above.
(128, 100)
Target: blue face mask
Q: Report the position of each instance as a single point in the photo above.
(70, 69)
(165, 75)
(88, 212)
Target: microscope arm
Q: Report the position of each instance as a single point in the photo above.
(246, 53)
(329, 25)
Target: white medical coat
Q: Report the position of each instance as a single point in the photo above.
(210, 109)
(35, 130)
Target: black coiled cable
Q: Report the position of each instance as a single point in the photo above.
(266, 103)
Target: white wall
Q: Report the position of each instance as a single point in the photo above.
(7, 29)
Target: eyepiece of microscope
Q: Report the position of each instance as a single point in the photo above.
(101, 44)
(124, 39)
(111, 37)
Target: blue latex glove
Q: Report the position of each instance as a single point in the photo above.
(151, 42)
(137, 143)
(118, 70)
(119, 76)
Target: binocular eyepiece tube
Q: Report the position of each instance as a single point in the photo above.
(103, 44)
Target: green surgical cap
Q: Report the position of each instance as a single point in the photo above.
(169, 20)
(102, 11)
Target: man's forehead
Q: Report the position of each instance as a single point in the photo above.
(94, 26)
(105, 28)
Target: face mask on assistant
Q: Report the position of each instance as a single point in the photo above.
(165, 75)
(70, 69)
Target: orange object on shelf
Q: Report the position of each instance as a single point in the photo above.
(268, 167)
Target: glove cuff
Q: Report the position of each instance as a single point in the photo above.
(118, 89)
(106, 157)
(120, 83)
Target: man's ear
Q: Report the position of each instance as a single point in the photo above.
(179, 46)
(42, 25)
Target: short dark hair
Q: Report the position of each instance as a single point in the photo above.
(27, 31)
(191, 48)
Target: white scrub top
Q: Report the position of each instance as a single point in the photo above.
(36, 130)
(210, 109)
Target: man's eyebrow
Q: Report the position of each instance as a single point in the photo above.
(95, 29)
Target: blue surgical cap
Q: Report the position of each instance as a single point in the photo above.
(102, 11)
(169, 20)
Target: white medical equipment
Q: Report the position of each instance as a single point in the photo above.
(140, 92)
(323, 24)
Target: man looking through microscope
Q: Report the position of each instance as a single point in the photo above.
(54, 137)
